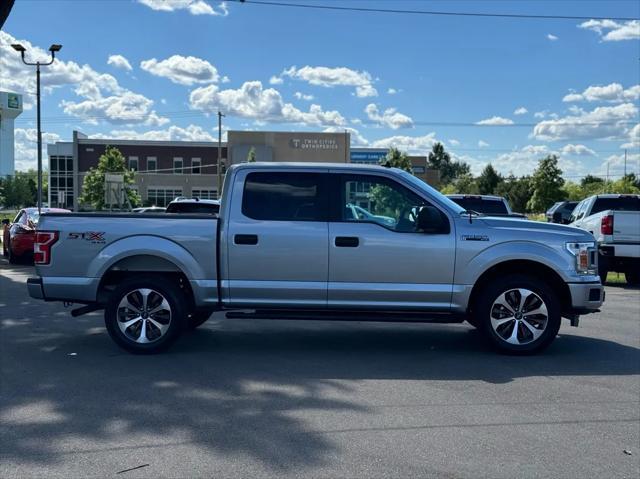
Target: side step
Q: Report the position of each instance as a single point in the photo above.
(342, 315)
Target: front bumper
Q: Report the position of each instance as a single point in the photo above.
(586, 297)
(34, 285)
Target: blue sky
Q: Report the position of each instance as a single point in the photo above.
(157, 69)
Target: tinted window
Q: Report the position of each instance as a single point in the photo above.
(285, 197)
(487, 207)
(375, 199)
(625, 203)
(194, 208)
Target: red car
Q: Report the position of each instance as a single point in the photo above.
(17, 238)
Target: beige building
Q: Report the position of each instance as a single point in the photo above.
(288, 146)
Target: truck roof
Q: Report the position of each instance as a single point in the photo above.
(304, 165)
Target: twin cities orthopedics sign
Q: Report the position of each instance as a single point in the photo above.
(313, 144)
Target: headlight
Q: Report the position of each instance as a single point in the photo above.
(585, 255)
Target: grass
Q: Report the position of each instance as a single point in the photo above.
(616, 278)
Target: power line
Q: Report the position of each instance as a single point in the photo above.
(428, 12)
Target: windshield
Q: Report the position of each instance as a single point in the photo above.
(33, 216)
(442, 199)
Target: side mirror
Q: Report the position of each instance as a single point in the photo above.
(557, 217)
(431, 221)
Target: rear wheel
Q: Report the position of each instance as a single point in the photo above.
(13, 258)
(518, 314)
(145, 314)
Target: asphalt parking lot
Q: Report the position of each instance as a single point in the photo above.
(287, 399)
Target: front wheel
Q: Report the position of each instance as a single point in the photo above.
(145, 314)
(518, 314)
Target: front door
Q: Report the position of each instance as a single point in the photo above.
(277, 241)
(377, 257)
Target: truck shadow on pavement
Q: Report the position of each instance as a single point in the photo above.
(240, 389)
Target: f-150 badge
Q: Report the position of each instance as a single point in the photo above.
(474, 238)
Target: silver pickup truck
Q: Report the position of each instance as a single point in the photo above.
(286, 245)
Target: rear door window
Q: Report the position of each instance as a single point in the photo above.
(280, 196)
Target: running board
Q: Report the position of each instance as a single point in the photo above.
(328, 315)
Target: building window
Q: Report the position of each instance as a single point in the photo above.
(133, 163)
(152, 163)
(61, 181)
(418, 170)
(162, 196)
(204, 194)
(196, 163)
(178, 165)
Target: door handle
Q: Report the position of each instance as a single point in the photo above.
(246, 239)
(347, 241)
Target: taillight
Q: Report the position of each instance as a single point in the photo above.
(606, 225)
(42, 246)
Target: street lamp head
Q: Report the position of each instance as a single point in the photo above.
(55, 48)
(19, 48)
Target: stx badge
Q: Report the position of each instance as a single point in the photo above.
(91, 236)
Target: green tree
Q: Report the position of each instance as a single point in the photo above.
(439, 159)
(397, 159)
(464, 184)
(17, 192)
(547, 184)
(112, 161)
(251, 157)
(488, 180)
(517, 191)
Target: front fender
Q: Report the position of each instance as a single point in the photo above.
(145, 245)
(561, 263)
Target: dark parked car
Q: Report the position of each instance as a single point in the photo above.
(486, 204)
(19, 237)
(560, 212)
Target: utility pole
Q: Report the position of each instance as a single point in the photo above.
(219, 187)
(625, 162)
(53, 49)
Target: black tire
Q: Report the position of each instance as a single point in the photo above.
(603, 269)
(538, 293)
(115, 314)
(632, 277)
(198, 318)
(13, 258)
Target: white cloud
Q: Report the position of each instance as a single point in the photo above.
(454, 142)
(119, 61)
(389, 118)
(616, 165)
(614, 92)
(102, 97)
(634, 138)
(330, 77)
(225, 79)
(302, 96)
(251, 100)
(182, 70)
(483, 144)
(26, 147)
(495, 120)
(411, 144)
(173, 133)
(520, 111)
(544, 114)
(356, 138)
(525, 160)
(610, 31)
(393, 91)
(195, 7)
(275, 80)
(551, 37)
(602, 122)
(577, 150)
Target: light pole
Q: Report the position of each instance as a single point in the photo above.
(219, 188)
(53, 49)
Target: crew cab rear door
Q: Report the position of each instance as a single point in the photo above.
(277, 239)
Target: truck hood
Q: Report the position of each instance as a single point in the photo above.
(536, 229)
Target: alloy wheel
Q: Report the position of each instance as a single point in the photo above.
(144, 315)
(519, 316)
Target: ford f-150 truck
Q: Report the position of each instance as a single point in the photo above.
(286, 245)
(614, 221)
